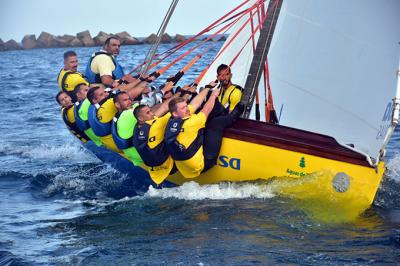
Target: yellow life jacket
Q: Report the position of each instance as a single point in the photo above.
(230, 97)
(69, 120)
(68, 80)
(184, 139)
(105, 112)
(149, 142)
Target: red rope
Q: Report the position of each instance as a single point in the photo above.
(199, 78)
(257, 111)
(225, 28)
(254, 31)
(269, 102)
(207, 29)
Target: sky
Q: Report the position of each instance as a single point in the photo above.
(138, 18)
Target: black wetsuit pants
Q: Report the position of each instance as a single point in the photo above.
(213, 134)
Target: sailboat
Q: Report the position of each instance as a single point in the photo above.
(333, 68)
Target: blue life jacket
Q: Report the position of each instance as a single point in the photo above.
(99, 129)
(151, 157)
(178, 151)
(82, 124)
(121, 143)
(95, 77)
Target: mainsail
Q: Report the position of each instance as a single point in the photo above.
(332, 65)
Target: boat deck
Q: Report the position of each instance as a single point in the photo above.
(293, 139)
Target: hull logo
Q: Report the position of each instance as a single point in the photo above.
(302, 163)
(225, 161)
(296, 172)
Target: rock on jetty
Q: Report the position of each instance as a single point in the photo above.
(82, 39)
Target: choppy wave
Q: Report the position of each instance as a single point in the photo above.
(7, 258)
(89, 181)
(194, 191)
(393, 167)
(68, 151)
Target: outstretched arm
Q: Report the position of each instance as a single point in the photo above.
(198, 100)
(207, 108)
(107, 80)
(163, 109)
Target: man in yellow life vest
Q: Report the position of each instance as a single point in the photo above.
(69, 78)
(194, 147)
(230, 94)
(148, 138)
(63, 99)
(68, 115)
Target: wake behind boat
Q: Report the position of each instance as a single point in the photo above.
(336, 93)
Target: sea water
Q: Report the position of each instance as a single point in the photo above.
(59, 205)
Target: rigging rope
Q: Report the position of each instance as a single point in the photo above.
(207, 29)
(214, 42)
(255, 5)
(223, 19)
(240, 14)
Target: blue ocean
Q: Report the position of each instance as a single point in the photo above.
(60, 205)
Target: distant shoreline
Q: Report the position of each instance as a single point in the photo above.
(84, 39)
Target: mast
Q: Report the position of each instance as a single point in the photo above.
(394, 118)
(260, 55)
(161, 30)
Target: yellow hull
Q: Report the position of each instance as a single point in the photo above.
(316, 181)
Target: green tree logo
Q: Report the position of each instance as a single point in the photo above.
(302, 163)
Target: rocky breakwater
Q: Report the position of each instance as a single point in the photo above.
(82, 39)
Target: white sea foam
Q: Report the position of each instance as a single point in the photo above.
(194, 191)
(70, 151)
(73, 181)
(393, 167)
(65, 151)
(102, 202)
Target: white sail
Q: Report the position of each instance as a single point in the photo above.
(333, 68)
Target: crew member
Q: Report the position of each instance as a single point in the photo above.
(69, 78)
(100, 114)
(67, 113)
(81, 112)
(185, 133)
(123, 126)
(149, 140)
(103, 66)
(230, 94)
